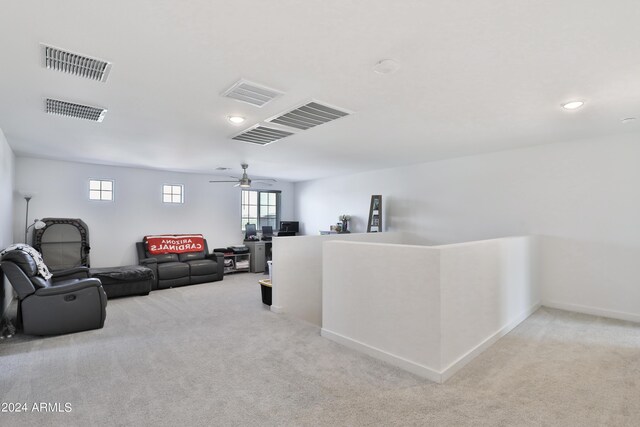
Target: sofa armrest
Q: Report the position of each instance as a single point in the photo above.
(71, 273)
(214, 256)
(218, 257)
(68, 286)
(151, 263)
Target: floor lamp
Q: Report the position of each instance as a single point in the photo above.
(36, 222)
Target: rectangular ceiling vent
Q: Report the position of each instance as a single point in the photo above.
(75, 64)
(261, 135)
(79, 111)
(251, 93)
(309, 115)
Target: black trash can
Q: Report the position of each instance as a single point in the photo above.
(265, 287)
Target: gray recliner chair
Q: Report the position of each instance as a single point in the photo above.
(68, 302)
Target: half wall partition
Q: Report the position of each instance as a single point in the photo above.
(427, 309)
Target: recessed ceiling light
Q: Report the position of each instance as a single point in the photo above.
(236, 120)
(628, 120)
(572, 105)
(386, 66)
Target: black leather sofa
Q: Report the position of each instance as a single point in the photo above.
(172, 269)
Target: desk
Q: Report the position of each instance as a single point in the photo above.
(260, 253)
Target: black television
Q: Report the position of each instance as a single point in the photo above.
(249, 231)
(289, 226)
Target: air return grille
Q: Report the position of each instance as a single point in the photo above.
(69, 109)
(309, 115)
(78, 65)
(251, 93)
(261, 135)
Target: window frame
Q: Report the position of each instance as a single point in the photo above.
(163, 193)
(259, 225)
(101, 191)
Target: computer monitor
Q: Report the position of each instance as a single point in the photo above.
(249, 230)
(267, 232)
(289, 226)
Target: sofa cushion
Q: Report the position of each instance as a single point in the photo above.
(189, 256)
(164, 257)
(200, 267)
(172, 270)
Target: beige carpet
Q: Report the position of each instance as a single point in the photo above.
(212, 354)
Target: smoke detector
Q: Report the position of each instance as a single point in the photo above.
(386, 66)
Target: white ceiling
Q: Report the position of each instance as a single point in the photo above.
(475, 76)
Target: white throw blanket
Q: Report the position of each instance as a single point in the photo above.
(42, 267)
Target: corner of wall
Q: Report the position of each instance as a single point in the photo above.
(7, 180)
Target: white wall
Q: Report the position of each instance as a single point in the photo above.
(387, 298)
(432, 309)
(487, 288)
(585, 192)
(7, 162)
(297, 271)
(61, 190)
(596, 278)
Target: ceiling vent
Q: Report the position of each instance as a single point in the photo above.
(79, 111)
(251, 93)
(309, 115)
(261, 135)
(78, 65)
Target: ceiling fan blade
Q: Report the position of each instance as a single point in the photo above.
(225, 181)
(237, 185)
(268, 184)
(267, 179)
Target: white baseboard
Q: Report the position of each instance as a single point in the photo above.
(277, 309)
(594, 311)
(449, 371)
(421, 370)
(392, 359)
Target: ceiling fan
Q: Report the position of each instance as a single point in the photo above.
(245, 182)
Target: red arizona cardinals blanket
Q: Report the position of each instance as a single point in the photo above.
(174, 243)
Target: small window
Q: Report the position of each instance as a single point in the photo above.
(101, 189)
(173, 193)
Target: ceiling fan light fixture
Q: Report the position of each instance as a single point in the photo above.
(244, 181)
